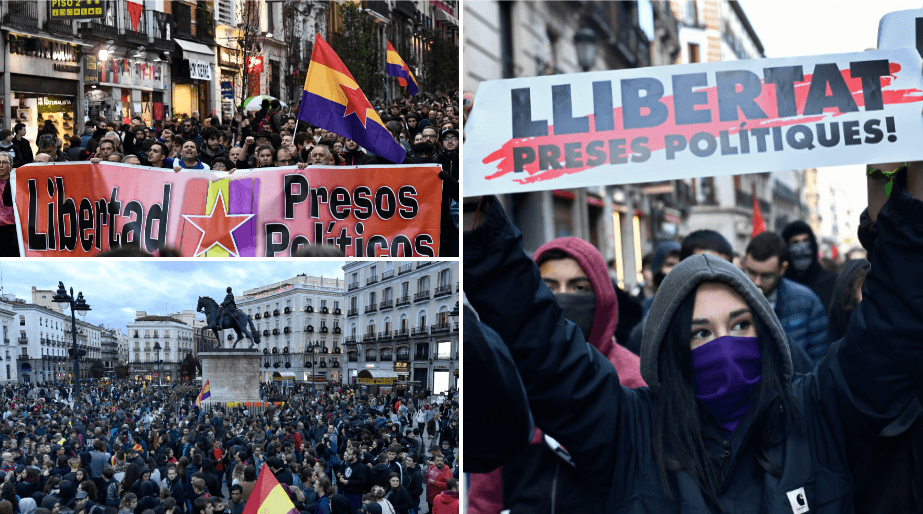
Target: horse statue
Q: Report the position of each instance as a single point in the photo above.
(239, 321)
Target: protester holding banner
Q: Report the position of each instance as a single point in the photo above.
(9, 246)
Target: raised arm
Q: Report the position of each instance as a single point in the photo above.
(573, 391)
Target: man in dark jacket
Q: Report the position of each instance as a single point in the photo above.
(353, 477)
(282, 474)
(797, 307)
(803, 266)
(380, 471)
(448, 159)
(353, 155)
(210, 150)
(24, 153)
(413, 480)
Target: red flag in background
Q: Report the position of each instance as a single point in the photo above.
(268, 497)
(134, 12)
(758, 225)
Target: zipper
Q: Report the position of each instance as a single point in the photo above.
(725, 453)
(554, 487)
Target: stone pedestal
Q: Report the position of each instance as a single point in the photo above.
(233, 375)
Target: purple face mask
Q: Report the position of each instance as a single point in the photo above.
(725, 375)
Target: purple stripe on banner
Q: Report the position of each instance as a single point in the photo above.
(244, 194)
(326, 114)
(396, 70)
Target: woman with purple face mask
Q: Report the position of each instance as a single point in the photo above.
(725, 425)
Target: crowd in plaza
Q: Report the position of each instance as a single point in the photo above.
(136, 448)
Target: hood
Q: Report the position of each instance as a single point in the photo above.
(682, 281)
(27, 506)
(380, 468)
(663, 249)
(837, 315)
(147, 489)
(339, 504)
(447, 498)
(607, 307)
(792, 229)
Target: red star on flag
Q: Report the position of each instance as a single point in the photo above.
(216, 229)
(356, 102)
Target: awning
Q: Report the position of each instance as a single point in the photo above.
(446, 17)
(283, 375)
(198, 50)
(377, 377)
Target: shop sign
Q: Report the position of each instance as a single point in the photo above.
(376, 381)
(55, 104)
(227, 90)
(42, 48)
(97, 96)
(66, 68)
(228, 57)
(74, 9)
(402, 367)
(199, 70)
(130, 72)
(91, 69)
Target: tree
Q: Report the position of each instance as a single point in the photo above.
(190, 367)
(440, 64)
(360, 50)
(121, 371)
(248, 45)
(97, 370)
(297, 63)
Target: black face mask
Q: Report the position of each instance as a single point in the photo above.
(658, 278)
(423, 148)
(579, 309)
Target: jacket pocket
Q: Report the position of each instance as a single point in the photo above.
(827, 492)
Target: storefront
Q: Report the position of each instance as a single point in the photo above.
(192, 74)
(377, 381)
(125, 87)
(44, 82)
(229, 62)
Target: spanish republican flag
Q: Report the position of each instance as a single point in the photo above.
(203, 394)
(332, 100)
(397, 68)
(268, 497)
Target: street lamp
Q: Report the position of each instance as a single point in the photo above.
(157, 358)
(312, 349)
(585, 40)
(80, 306)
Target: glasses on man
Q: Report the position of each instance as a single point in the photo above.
(450, 138)
(5, 164)
(431, 136)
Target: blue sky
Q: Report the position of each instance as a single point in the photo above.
(115, 289)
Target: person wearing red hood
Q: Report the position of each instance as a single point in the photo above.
(542, 477)
(447, 501)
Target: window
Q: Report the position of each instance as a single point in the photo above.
(444, 277)
(693, 53)
(405, 289)
(423, 284)
(372, 298)
(336, 304)
(386, 294)
(373, 271)
(323, 304)
(147, 357)
(371, 328)
(352, 303)
(323, 323)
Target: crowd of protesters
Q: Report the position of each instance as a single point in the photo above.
(139, 449)
(427, 129)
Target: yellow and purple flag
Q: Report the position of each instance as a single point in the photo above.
(333, 100)
(206, 392)
(396, 67)
(268, 497)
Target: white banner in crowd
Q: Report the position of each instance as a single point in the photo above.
(693, 120)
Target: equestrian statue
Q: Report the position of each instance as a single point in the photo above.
(225, 316)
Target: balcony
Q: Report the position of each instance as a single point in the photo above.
(423, 264)
(23, 340)
(419, 332)
(288, 310)
(421, 296)
(64, 27)
(441, 329)
(386, 275)
(420, 356)
(379, 7)
(22, 13)
(386, 357)
(387, 304)
(275, 331)
(353, 285)
(404, 269)
(371, 358)
(162, 22)
(350, 340)
(136, 35)
(403, 357)
(353, 357)
(275, 312)
(404, 300)
(370, 308)
(372, 280)
(182, 12)
(369, 337)
(442, 291)
(324, 309)
(309, 309)
(384, 336)
(267, 315)
(97, 28)
(352, 312)
(401, 334)
(443, 356)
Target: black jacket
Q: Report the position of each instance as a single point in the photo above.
(358, 476)
(448, 232)
(413, 482)
(24, 153)
(844, 403)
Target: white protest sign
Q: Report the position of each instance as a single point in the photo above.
(708, 119)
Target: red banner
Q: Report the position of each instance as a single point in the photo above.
(82, 209)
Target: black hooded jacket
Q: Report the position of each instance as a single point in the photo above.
(843, 404)
(815, 277)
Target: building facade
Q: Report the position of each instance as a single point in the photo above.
(300, 323)
(7, 325)
(399, 321)
(109, 348)
(157, 347)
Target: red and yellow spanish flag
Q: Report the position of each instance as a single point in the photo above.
(268, 497)
(138, 448)
(203, 394)
(332, 100)
(396, 67)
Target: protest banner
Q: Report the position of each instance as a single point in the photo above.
(720, 118)
(82, 209)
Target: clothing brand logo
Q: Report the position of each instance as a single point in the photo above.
(798, 500)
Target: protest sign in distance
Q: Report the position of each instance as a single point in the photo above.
(82, 209)
(720, 118)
